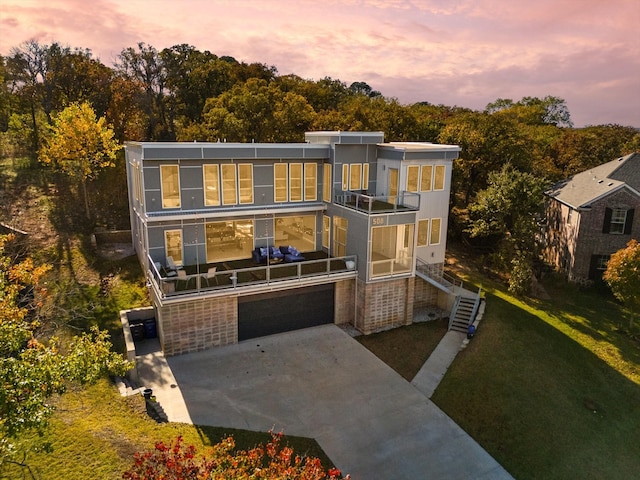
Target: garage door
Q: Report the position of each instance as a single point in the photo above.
(278, 312)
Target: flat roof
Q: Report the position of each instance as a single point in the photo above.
(420, 146)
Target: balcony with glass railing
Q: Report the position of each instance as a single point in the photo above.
(244, 275)
(377, 204)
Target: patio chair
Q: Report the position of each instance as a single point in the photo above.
(211, 273)
(171, 265)
(182, 277)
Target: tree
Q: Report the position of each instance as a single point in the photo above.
(33, 370)
(257, 111)
(623, 277)
(270, 462)
(80, 146)
(487, 142)
(534, 111)
(508, 210)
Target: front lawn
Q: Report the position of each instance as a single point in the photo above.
(550, 388)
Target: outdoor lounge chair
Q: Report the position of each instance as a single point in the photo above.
(211, 274)
(291, 254)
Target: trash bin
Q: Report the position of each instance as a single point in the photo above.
(137, 331)
(147, 393)
(150, 330)
(471, 331)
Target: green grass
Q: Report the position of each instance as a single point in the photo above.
(405, 349)
(550, 388)
(95, 433)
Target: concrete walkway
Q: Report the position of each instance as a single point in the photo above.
(428, 377)
(321, 383)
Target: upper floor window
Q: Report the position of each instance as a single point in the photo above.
(245, 177)
(229, 182)
(617, 221)
(423, 232)
(434, 237)
(295, 182)
(438, 178)
(426, 173)
(355, 180)
(355, 176)
(281, 180)
(211, 185)
(310, 181)
(327, 184)
(413, 172)
(170, 184)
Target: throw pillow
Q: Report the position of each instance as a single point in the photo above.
(264, 251)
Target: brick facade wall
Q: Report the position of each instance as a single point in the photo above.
(384, 305)
(198, 324)
(590, 239)
(425, 294)
(344, 302)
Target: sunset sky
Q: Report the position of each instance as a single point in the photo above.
(453, 52)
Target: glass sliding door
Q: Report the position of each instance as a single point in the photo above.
(232, 240)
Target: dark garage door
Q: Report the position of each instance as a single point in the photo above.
(278, 312)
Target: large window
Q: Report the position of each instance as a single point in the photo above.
(170, 184)
(423, 233)
(295, 182)
(173, 245)
(426, 172)
(326, 231)
(413, 172)
(340, 236)
(232, 240)
(391, 250)
(434, 237)
(355, 176)
(281, 182)
(229, 184)
(438, 180)
(245, 175)
(211, 175)
(310, 182)
(297, 230)
(327, 183)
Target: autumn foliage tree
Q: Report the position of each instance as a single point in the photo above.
(80, 146)
(223, 462)
(623, 277)
(33, 370)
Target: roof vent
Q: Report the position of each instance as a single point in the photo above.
(609, 184)
(600, 181)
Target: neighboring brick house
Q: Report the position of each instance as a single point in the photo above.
(591, 216)
(367, 218)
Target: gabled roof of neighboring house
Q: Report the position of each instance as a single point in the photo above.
(584, 188)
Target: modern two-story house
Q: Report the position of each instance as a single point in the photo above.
(240, 240)
(591, 216)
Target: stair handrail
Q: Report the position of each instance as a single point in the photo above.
(454, 309)
(476, 305)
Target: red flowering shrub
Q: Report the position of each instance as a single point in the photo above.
(224, 462)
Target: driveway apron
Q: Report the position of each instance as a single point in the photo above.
(321, 383)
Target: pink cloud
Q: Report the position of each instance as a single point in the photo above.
(467, 52)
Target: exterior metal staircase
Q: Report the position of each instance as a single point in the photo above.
(466, 302)
(464, 311)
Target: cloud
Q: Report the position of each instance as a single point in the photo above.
(466, 53)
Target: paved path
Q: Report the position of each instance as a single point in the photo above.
(429, 376)
(321, 383)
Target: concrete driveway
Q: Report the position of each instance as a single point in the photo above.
(320, 383)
